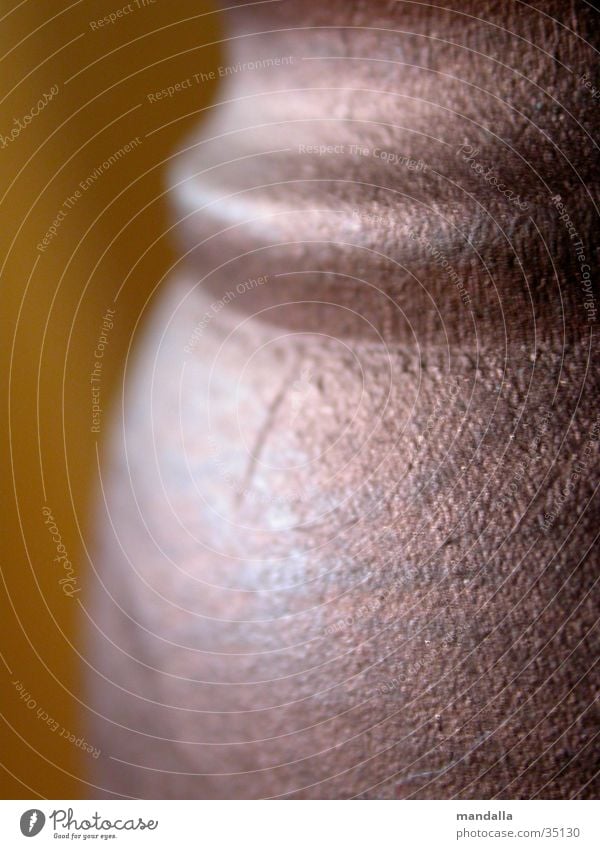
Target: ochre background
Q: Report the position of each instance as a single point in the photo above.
(52, 323)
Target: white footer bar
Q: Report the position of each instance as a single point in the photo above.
(301, 824)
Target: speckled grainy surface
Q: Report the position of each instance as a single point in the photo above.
(334, 557)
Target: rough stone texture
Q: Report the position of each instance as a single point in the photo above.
(335, 559)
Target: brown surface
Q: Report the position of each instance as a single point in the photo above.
(73, 283)
(307, 468)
